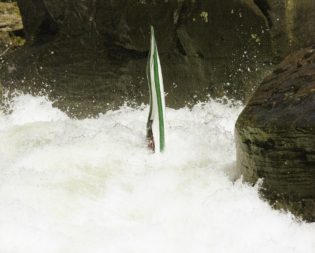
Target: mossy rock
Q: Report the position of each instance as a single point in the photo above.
(10, 17)
(275, 135)
(10, 22)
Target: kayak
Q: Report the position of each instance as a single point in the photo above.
(156, 118)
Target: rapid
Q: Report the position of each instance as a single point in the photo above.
(91, 185)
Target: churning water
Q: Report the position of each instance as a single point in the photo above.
(91, 186)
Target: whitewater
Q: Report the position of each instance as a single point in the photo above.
(91, 185)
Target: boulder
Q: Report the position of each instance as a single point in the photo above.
(275, 135)
(91, 55)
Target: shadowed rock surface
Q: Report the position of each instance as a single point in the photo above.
(275, 135)
(91, 55)
(293, 25)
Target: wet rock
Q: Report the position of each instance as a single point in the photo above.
(275, 135)
(292, 25)
(91, 55)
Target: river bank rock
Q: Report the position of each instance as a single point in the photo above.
(91, 55)
(275, 135)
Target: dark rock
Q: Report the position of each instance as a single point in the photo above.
(91, 55)
(275, 135)
(293, 25)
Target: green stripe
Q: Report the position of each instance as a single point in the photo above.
(159, 99)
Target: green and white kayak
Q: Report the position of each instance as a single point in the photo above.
(156, 119)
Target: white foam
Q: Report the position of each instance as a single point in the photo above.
(92, 186)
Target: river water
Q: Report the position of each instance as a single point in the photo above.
(91, 186)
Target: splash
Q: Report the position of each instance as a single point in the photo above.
(92, 186)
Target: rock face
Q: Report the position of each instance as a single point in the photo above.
(92, 54)
(275, 135)
(10, 26)
(292, 25)
(10, 22)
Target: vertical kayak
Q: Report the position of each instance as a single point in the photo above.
(156, 119)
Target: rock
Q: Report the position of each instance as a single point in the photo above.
(275, 135)
(292, 25)
(91, 55)
(10, 18)
(10, 22)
